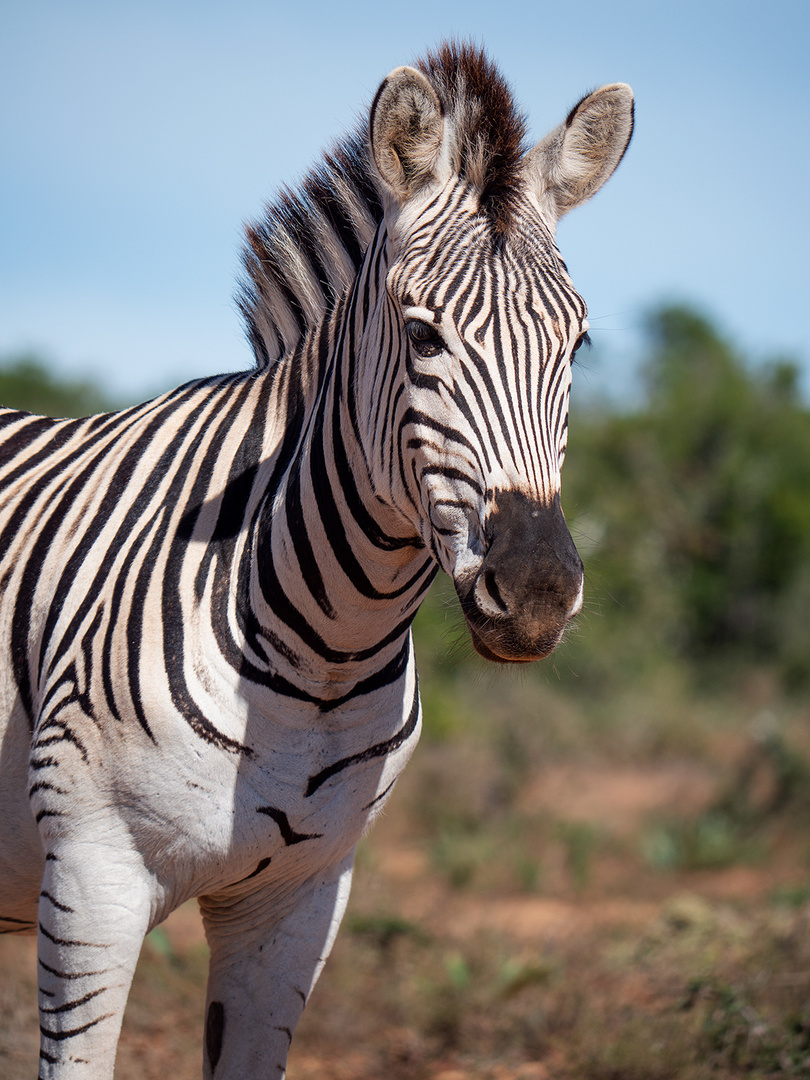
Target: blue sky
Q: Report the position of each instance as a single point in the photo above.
(138, 138)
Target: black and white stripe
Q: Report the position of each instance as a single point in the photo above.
(206, 600)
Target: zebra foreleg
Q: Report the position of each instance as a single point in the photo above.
(93, 913)
(262, 970)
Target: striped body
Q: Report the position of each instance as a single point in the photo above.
(206, 600)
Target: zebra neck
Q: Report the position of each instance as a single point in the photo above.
(337, 587)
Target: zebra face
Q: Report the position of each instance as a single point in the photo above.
(488, 326)
(484, 320)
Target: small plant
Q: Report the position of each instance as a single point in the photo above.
(579, 839)
(384, 930)
(791, 896)
(735, 1035)
(772, 778)
(710, 841)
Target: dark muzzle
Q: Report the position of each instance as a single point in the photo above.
(530, 583)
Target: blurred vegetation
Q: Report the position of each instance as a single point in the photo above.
(694, 510)
(28, 383)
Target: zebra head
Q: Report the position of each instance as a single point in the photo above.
(480, 316)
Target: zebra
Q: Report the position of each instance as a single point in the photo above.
(206, 599)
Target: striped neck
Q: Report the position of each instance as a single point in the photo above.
(339, 575)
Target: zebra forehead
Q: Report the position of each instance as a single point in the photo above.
(523, 267)
(455, 226)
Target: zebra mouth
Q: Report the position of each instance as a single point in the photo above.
(517, 631)
(500, 644)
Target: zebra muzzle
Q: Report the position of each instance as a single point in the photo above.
(529, 584)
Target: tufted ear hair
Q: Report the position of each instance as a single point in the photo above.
(406, 128)
(576, 159)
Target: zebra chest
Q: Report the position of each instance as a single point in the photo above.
(215, 780)
(293, 801)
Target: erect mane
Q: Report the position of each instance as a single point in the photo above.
(305, 251)
(488, 132)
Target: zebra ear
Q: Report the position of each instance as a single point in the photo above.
(576, 159)
(406, 127)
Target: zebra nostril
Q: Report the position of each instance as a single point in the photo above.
(492, 588)
(487, 595)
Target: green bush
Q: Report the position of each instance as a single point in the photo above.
(695, 509)
(26, 383)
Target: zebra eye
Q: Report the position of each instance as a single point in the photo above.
(583, 339)
(425, 338)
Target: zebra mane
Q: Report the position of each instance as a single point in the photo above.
(488, 132)
(305, 251)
